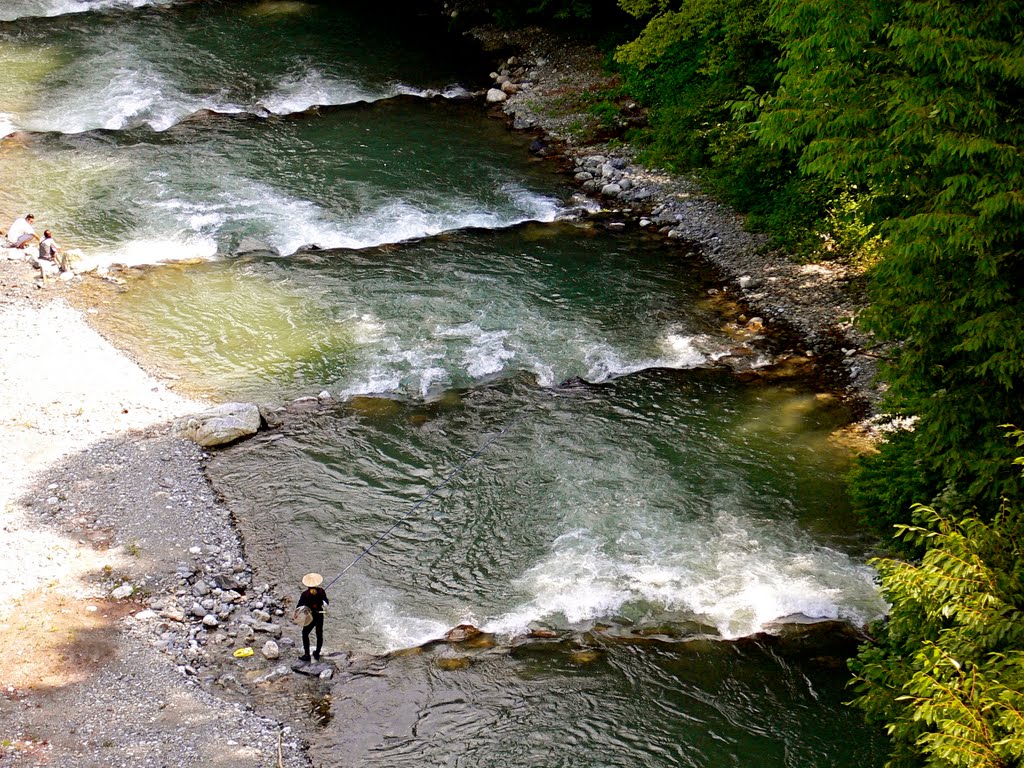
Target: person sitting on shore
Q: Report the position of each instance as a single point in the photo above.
(21, 232)
(49, 250)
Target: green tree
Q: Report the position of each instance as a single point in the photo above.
(921, 103)
(691, 63)
(946, 674)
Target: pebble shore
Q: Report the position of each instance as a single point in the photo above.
(108, 523)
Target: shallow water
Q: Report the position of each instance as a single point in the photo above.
(660, 707)
(337, 220)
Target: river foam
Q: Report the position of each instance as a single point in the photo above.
(733, 574)
(19, 9)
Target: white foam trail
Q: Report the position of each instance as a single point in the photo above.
(7, 126)
(467, 352)
(678, 351)
(313, 88)
(133, 94)
(157, 251)
(487, 352)
(296, 223)
(124, 91)
(19, 9)
(724, 574)
(172, 229)
(453, 91)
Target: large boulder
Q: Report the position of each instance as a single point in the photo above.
(221, 425)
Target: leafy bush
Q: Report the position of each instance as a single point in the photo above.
(945, 676)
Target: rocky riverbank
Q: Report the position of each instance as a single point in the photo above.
(537, 82)
(108, 522)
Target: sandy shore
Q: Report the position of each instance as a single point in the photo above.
(97, 495)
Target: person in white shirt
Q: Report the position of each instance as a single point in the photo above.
(21, 232)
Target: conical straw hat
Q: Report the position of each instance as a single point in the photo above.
(312, 580)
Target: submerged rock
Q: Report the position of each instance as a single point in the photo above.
(585, 656)
(313, 669)
(452, 662)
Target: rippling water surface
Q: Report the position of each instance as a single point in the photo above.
(310, 207)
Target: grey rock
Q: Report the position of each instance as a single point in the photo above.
(611, 190)
(123, 592)
(268, 628)
(228, 582)
(495, 96)
(270, 650)
(276, 673)
(221, 425)
(746, 281)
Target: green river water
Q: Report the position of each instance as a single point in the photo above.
(310, 205)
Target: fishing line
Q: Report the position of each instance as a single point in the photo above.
(433, 490)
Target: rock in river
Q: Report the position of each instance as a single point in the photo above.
(221, 425)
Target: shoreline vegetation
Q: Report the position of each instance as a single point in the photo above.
(101, 505)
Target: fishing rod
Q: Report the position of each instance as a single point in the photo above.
(494, 438)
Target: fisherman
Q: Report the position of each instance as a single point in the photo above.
(313, 599)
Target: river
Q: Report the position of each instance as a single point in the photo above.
(307, 202)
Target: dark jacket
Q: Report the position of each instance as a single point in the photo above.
(313, 598)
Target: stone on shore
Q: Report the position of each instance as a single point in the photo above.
(221, 425)
(270, 650)
(123, 592)
(496, 96)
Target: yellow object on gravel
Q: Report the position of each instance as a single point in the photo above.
(241, 653)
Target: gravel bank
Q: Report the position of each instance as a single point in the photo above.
(99, 501)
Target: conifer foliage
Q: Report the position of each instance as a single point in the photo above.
(922, 104)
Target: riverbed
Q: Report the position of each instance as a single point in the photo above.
(306, 204)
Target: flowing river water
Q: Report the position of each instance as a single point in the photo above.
(311, 205)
